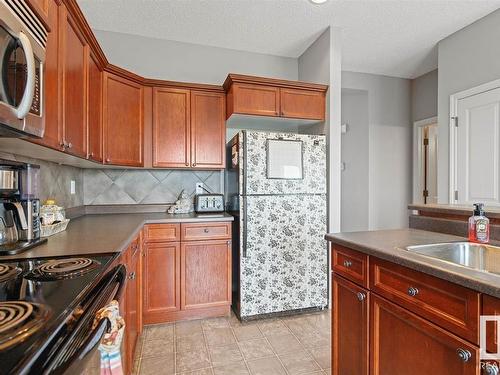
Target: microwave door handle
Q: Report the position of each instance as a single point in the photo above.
(24, 106)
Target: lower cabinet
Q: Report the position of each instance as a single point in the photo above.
(350, 328)
(404, 343)
(161, 281)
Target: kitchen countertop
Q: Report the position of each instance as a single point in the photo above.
(454, 209)
(390, 245)
(107, 233)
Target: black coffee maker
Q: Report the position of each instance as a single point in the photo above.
(20, 205)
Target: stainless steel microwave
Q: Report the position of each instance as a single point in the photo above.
(23, 39)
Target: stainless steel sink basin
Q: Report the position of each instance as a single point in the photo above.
(477, 256)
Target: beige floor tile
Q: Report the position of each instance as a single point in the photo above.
(284, 343)
(232, 369)
(187, 328)
(328, 371)
(190, 361)
(222, 355)
(157, 365)
(219, 336)
(315, 339)
(159, 331)
(300, 326)
(205, 371)
(190, 343)
(157, 348)
(273, 327)
(266, 366)
(299, 363)
(253, 349)
(321, 321)
(247, 332)
(323, 356)
(221, 322)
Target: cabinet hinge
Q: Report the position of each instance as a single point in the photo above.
(456, 195)
(425, 193)
(426, 141)
(455, 120)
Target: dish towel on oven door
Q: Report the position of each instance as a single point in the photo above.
(111, 361)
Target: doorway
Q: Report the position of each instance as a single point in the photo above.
(425, 161)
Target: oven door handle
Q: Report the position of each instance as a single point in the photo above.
(24, 106)
(94, 339)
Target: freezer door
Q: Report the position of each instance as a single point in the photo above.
(283, 258)
(270, 163)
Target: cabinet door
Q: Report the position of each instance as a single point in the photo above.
(94, 114)
(52, 117)
(161, 281)
(403, 343)
(74, 53)
(171, 128)
(208, 130)
(205, 274)
(254, 100)
(349, 328)
(490, 306)
(303, 104)
(133, 304)
(123, 121)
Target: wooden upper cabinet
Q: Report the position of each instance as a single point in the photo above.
(302, 104)
(205, 274)
(123, 121)
(171, 128)
(254, 100)
(74, 54)
(94, 110)
(403, 343)
(349, 328)
(52, 84)
(208, 130)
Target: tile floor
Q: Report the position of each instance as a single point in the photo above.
(225, 346)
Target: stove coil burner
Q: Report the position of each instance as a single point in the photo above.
(19, 320)
(64, 268)
(8, 272)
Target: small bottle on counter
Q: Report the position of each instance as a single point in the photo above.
(479, 225)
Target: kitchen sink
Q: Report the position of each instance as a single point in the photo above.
(481, 257)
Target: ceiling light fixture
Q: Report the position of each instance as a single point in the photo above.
(318, 1)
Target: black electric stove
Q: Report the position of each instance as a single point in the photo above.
(47, 309)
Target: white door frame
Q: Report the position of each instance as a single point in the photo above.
(454, 98)
(417, 156)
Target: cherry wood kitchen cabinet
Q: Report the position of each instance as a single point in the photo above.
(259, 96)
(205, 274)
(350, 346)
(404, 343)
(161, 281)
(188, 128)
(133, 315)
(208, 130)
(123, 121)
(94, 109)
(491, 306)
(171, 128)
(73, 51)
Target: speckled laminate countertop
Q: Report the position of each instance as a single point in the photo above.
(391, 245)
(107, 233)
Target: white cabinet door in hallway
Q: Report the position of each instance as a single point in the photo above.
(478, 148)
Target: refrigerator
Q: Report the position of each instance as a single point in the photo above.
(276, 189)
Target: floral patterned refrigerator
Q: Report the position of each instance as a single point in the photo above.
(276, 188)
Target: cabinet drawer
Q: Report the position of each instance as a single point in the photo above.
(350, 264)
(205, 231)
(451, 306)
(162, 232)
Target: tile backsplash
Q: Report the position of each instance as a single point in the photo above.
(132, 186)
(117, 186)
(55, 180)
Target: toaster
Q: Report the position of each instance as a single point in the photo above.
(209, 203)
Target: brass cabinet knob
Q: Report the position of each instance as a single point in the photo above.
(206, 230)
(491, 369)
(464, 354)
(361, 296)
(412, 291)
(347, 263)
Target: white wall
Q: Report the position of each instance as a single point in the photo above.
(467, 58)
(355, 156)
(389, 111)
(321, 63)
(176, 61)
(424, 96)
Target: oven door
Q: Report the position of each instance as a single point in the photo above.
(21, 70)
(79, 352)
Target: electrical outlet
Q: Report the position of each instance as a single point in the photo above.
(199, 188)
(72, 187)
